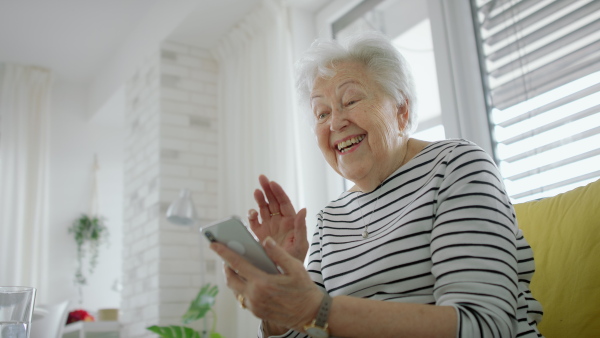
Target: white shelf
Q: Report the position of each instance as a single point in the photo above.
(92, 330)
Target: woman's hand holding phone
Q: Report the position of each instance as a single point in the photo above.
(283, 301)
(279, 219)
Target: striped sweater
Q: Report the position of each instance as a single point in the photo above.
(442, 231)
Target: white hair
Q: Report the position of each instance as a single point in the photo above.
(382, 60)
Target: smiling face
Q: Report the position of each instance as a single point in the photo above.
(357, 125)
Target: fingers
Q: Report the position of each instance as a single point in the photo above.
(273, 203)
(300, 224)
(236, 262)
(236, 284)
(301, 245)
(285, 205)
(263, 206)
(278, 200)
(253, 220)
(282, 258)
(234, 281)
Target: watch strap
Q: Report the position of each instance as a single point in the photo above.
(323, 314)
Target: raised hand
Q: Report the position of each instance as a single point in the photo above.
(279, 219)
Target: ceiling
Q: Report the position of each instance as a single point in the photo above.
(76, 38)
(73, 38)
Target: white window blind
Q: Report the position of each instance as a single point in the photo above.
(540, 63)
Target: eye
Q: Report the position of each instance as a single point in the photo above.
(349, 103)
(321, 116)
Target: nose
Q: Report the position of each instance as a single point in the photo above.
(338, 120)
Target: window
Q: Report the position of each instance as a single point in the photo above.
(540, 65)
(412, 37)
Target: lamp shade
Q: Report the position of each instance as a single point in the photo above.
(182, 211)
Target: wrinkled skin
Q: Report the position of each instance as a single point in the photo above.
(287, 300)
(288, 228)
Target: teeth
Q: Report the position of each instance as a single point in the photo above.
(349, 142)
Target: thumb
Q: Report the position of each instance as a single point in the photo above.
(280, 257)
(300, 224)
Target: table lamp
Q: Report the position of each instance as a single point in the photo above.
(182, 211)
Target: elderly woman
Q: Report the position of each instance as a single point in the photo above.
(424, 244)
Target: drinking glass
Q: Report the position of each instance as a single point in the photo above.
(16, 308)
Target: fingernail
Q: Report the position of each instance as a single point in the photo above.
(269, 242)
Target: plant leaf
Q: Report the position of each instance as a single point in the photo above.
(202, 304)
(174, 331)
(215, 335)
(89, 232)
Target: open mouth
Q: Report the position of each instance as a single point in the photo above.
(344, 146)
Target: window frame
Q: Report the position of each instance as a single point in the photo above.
(464, 110)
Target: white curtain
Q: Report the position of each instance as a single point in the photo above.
(257, 122)
(24, 119)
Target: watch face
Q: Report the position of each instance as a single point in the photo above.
(317, 332)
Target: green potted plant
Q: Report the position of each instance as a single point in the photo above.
(89, 233)
(199, 307)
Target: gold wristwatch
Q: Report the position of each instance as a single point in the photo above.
(319, 328)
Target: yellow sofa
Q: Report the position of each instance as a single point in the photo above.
(564, 233)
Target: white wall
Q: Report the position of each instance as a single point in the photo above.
(73, 142)
(160, 21)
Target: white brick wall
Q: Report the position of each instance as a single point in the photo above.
(141, 176)
(171, 145)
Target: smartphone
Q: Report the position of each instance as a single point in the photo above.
(233, 233)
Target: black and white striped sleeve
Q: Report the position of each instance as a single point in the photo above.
(313, 265)
(473, 247)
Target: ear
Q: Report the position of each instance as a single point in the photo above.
(402, 116)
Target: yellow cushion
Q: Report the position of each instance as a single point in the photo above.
(564, 233)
